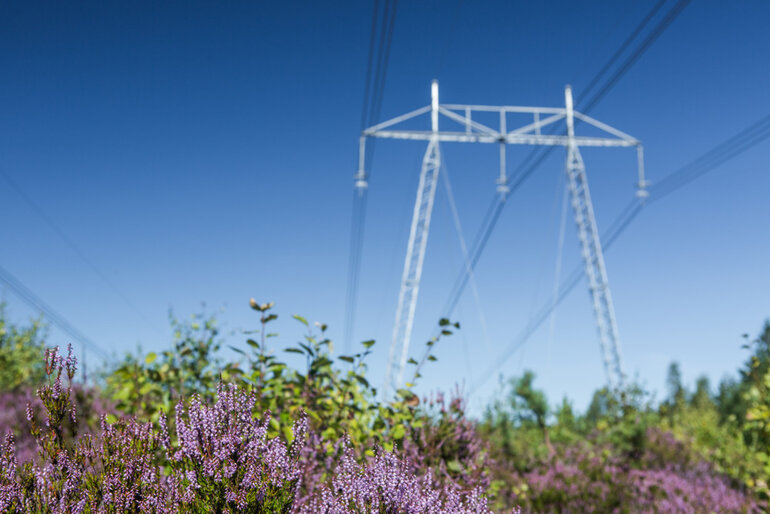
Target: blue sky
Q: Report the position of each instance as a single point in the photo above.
(204, 152)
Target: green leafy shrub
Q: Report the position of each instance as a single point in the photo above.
(143, 386)
(21, 350)
(335, 393)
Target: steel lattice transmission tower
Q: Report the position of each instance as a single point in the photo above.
(530, 133)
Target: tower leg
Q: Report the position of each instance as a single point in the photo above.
(596, 272)
(415, 255)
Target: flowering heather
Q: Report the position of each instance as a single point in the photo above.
(582, 479)
(219, 460)
(225, 461)
(386, 484)
(222, 461)
(14, 417)
(448, 443)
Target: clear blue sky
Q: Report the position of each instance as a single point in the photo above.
(204, 152)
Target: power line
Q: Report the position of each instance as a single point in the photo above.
(464, 250)
(637, 53)
(367, 86)
(536, 157)
(54, 317)
(56, 228)
(381, 72)
(623, 47)
(370, 112)
(747, 138)
(730, 148)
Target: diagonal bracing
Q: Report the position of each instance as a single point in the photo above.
(463, 128)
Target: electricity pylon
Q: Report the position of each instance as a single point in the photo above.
(530, 133)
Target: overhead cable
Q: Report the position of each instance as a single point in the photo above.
(54, 317)
(729, 149)
(60, 232)
(374, 87)
(537, 156)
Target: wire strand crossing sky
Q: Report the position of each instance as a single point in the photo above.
(206, 152)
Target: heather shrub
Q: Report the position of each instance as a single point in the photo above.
(446, 444)
(337, 398)
(386, 484)
(618, 456)
(88, 402)
(596, 478)
(219, 458)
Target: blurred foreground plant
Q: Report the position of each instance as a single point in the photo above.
(219, 459)
(338, 400)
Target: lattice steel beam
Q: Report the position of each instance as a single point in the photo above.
(470, 130)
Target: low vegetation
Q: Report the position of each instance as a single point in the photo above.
(186, 430)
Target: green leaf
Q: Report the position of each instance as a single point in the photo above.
(288, 434)
(271, 334)
(346, 358)
(398, 431)
(446, 332)
(233, 348)
(321, 362)
(443, 322)
(300, 319)
(411, 361)
(294, 350)
(404, 393)
(253, 343)
(150, 358)
(368, 344)
(432, 358)
(271, 317)
(361, 380)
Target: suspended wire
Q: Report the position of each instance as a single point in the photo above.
(537, 156)
(745, 139)
(54, 317)
(623, 47)
(373, 93)
(354, 264)
(381, 74)
(464, 251)
(370, 59)
(609, 33)
(553, 218)
(557, 272)
(56, 228)
(637, 53)
(729, 149)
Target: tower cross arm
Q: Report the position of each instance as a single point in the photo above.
(510, 138)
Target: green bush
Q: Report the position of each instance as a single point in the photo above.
(21, 350)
